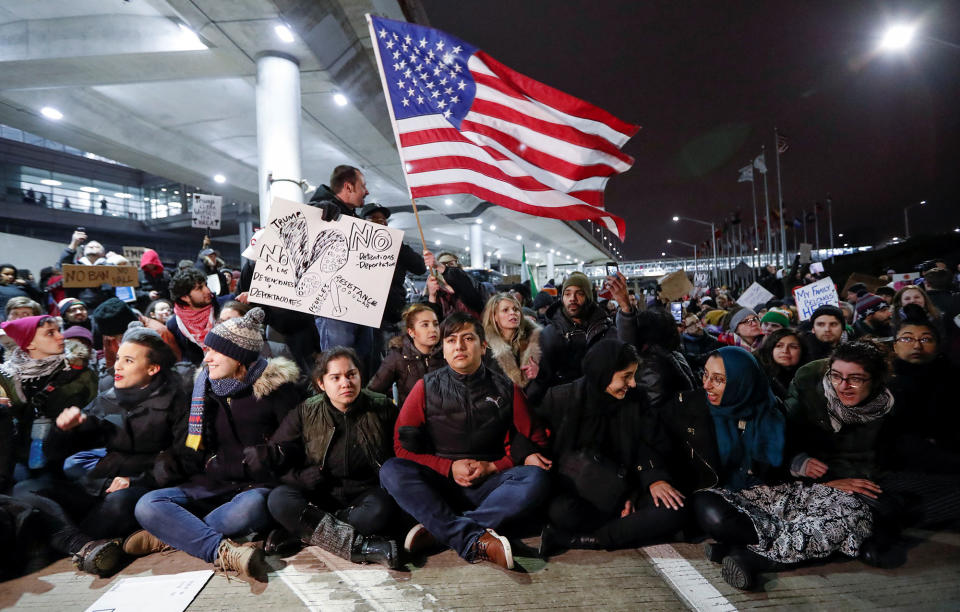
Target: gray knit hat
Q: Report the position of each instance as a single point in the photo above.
(137, 330)
(240, 337)
(581, 280)
(738, 317)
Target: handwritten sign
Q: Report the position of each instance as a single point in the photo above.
(94, 276)
(701, 279)
(812, 296)
(205, 211)
(134, 254)
(902, 280)
(339, 269)
(675, 286)
(755, 294)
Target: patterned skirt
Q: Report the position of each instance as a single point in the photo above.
(797, 521)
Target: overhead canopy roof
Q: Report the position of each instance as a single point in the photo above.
(168, 86)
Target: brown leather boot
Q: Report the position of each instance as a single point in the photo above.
(419, 540)
(494, 548)
(140, 543)
(247, 561)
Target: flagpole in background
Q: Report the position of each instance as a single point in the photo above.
(830, 217)
(756, 230)
(816, 224)
(766, 197)
(783, 231)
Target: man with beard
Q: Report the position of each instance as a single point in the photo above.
(827, 322)
(195, 312)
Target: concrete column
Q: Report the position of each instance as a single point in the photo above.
(245, 224)
(476, 246)
(278, 129)
(550, 265)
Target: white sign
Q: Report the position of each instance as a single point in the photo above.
(205, 211)
(338, 269)
(812, 296)
(134, 254)
(816, 267)
(755, 294)
(251, 251)
(171, 593)
(701, 279)
(902, 280)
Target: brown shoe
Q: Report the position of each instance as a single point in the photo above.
(419, 540)
(142, 542)
(247, 561)
(494, 548)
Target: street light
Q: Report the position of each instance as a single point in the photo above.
(897, 37)
(906, 220)
(689, 244)
(713, 236)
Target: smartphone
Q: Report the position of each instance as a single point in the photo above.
(676, 309)
(612, 268)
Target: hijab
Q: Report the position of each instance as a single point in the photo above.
(747, 399)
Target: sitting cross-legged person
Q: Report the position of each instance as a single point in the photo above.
(214, 487)
(468, 453)
(613, 491)
(133, 421)
(332, 446)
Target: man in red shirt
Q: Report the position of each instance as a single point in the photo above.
(465, 439)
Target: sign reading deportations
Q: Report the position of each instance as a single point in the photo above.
(338, 269)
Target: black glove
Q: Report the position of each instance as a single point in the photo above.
(331, 212)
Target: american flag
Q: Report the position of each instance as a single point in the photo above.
(782, 144)
(465, 123)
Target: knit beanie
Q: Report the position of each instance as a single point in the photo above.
(776, 316)
(113, 316)
(23, 330)
(738, 317)
(79, 332)
(714, 317)
(65, 304)
(579, 279)
(830, 311)
(240, 338)
(869, 304)
(542, 300)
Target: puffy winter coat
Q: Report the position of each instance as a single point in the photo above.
(404, 365)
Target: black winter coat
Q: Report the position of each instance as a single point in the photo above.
(404, 365)
(408, 262)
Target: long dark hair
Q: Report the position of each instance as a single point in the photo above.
(764, 354)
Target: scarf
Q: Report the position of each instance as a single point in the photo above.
(131, 398)
(224, 387)
(870, 410)
(746, 400)
(194, 324)
(20, 368)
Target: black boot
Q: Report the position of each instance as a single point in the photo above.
(375, 549)
(741, 566)
(281, 542)
(100, 557)
(715, 551)
(552, 541)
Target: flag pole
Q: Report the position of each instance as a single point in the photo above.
(816, 225)
(756, 231)
(416, 215)
(783, 231)
(766, 198)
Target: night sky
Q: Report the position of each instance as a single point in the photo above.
(708, 81)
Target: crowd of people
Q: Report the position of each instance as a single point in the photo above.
(184, 417)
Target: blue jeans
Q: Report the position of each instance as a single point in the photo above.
(162, 513)
(430, 497)
(334, 332)
(77, 465)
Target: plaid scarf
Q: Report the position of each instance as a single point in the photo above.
(223, 387)
(194, 324)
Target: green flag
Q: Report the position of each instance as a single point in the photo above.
(526, 275)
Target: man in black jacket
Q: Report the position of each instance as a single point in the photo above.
(827, 322)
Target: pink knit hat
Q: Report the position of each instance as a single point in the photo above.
(23, 330)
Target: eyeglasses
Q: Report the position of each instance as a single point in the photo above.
(750, 320)
(853, 381)
(715, 379)
(924, 340)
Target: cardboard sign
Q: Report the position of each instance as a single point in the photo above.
(94, 276)
(871, 282)
(812, 296)
(806, 250)
(338, 269)
(134, 254)
(755, 294)
(675, 285)
(205, 211)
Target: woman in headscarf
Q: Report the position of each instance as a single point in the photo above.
(780, 356)
(614, 489)
(514, 340)
(761, 527)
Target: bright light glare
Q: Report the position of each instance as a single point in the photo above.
(479, 221)
(51, 113)
(669, 241)
(284, 33)
(448, 201)
(51, 182)
(122, 195)
(219, 178)
(676, 218)
(190, 40)
(90, 189)
(493, 227)
(519, 237)
(436, 242)
(538, 245)
(897, 37)
(340, 99)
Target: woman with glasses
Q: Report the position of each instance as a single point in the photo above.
(780, 356)
(764, 527)
(743, 329)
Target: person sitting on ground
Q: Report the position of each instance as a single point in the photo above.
(137, 418)
(576, 324)
(112, 319)
(613, 494)
(663, 371)
(827, 323)
(195, 312)
(873, 317)
(513, 340)
(332, 446)
(38, 383)
(214, 485)
(743, 330)
(20, 308)
(780, 356)
(411, 355)
(466, 441)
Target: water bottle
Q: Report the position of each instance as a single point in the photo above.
(38, 433)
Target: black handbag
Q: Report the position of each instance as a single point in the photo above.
(595, 478)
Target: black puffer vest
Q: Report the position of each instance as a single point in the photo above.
(468, 417)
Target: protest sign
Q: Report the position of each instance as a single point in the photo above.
(251, 251)
(134, 254)
(816, 267)
(902, 280)
(701, 279)
(94, 276)
(170, 593)
(675, 285)
(755, 294)
(870, 282)
(806, 250)
(339, 269)
(205, 211)
(812, 296)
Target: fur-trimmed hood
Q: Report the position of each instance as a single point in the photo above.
(509, 363)
(279, 371)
